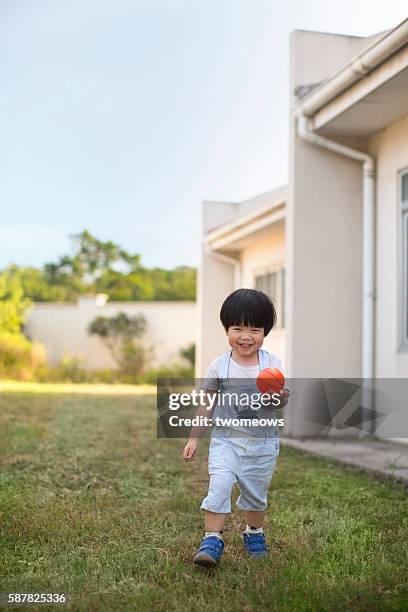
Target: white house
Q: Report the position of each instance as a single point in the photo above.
(338, 234)
(243, 246)
(347, 211)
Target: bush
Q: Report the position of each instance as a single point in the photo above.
(118, 334)
(189, 354)
(133, 357)
(20, 358)
(69, 370)
(151, 376)
(13, 303)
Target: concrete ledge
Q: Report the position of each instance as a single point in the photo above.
(383, 457)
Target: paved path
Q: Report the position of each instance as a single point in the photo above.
(384, 457)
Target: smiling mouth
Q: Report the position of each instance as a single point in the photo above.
(245, 345)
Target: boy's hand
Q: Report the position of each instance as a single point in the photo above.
(283, 399)
(190, 450)
(284, 394)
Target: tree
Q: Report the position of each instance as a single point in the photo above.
(13, 303)
(18, 356)
(118, 334)
(91, 258)
(97, 266)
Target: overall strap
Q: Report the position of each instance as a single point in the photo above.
(264, 360)
(223, 367)
(225, 360)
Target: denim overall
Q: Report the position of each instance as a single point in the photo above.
(229, 409)
(240, 454)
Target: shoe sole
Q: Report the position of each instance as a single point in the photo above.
(258, 555)
(205, 560)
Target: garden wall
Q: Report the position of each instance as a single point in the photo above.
(62, 329)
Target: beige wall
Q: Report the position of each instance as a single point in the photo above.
(216, 280)
(62, 328)
(266, 254)
(323, 233)
(324, 239)
(218, 277)
(390, 146)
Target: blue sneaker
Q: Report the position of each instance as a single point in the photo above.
(255, 544)
(210, 551)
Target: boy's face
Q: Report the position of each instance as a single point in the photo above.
(245, 340)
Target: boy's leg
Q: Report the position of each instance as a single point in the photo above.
(217, 504)
(254, 478)
(212, 545)
(255, 518)
(214, 521)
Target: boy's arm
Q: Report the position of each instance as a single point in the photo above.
(205, 410)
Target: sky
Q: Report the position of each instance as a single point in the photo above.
(122, 116)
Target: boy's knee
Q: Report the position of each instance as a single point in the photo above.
(252, 504)
(219, 493)
(253, 495)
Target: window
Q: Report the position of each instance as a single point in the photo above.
(273, 284)
(268, 284)
(283, 298)
(404, 255)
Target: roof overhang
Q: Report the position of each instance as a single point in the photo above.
(243, 231)
(380, 99)
(368, 94)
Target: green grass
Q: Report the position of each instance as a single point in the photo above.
(91, 503)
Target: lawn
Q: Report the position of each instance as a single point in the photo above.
(91, 503)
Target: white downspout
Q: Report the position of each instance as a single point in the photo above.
(368, 272)
(228, 260)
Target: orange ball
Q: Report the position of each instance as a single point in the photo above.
(270, 380)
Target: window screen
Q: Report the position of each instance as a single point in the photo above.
(273, 284)
(405, 276)
(404, 189)
(283, 300)
(404, 262)
(268, 284)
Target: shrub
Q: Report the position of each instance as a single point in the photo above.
(151, 376)
(189, 354)
(69, 369)
(19, 358)
(118, 334)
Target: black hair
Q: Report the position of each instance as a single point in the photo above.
(250, 307)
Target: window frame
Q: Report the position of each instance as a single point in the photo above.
(403, 265)
(280, 271)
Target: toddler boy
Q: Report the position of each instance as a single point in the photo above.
(239, 453)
